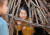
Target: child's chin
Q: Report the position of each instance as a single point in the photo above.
(23, 18)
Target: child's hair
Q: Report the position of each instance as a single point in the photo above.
(23, 8)
(1, 2)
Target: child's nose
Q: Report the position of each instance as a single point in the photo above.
(23, 15)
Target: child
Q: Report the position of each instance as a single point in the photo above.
(26, 30)
(3, 24)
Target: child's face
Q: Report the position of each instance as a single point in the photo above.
(4, 8)
(23, 14)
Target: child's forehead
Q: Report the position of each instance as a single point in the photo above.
(23, 10)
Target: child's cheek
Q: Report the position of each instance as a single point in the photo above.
(20, 15)
(5, 10)
(25, 16)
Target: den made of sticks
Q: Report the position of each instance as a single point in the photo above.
(39, 17)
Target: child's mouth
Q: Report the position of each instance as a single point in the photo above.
(23, 17)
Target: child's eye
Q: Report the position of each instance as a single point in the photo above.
(21, 13)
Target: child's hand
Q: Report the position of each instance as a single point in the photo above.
(19, 22)
(24, 27)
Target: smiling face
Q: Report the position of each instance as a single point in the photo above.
(4, 8)
(23, 14)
